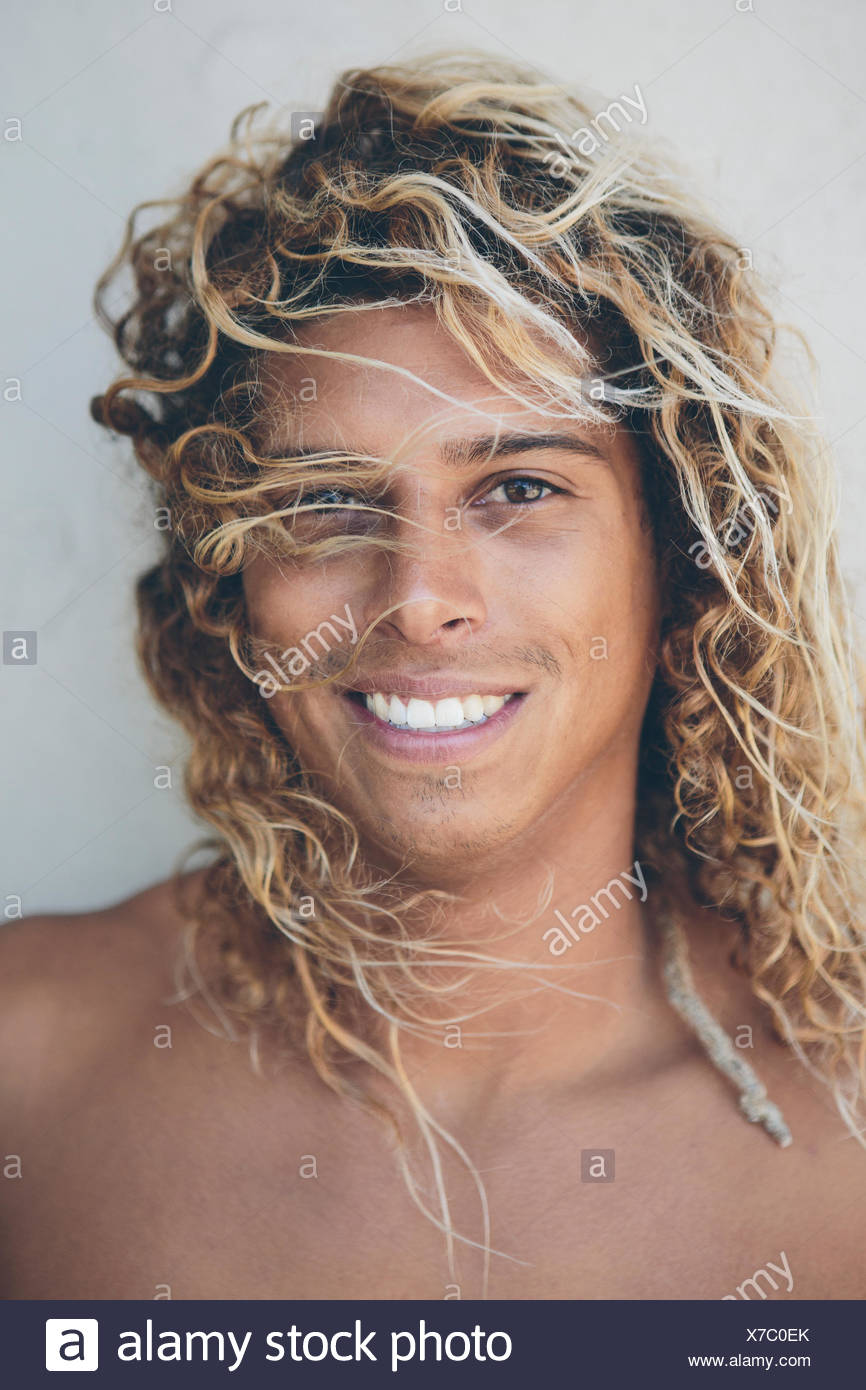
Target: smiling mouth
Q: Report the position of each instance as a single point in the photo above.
(452, 714)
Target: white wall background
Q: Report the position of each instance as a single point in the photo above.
(119, 101)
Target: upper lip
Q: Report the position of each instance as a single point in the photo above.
(435, 686)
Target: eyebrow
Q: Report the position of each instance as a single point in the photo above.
(458, 453)
(463, 451)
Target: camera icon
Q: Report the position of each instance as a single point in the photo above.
(71, 1344)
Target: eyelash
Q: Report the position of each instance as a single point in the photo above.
(526, 478)
(307, 499)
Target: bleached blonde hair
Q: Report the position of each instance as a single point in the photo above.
(455, 181)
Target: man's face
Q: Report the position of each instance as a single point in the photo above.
(503, 689)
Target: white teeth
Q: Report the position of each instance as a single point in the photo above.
(451, 713)
(420, 714)
(473, 707)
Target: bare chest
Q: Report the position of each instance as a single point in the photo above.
(161, 1192)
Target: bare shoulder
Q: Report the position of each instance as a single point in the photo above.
(811, 1194)
(66, 979)
(803, 1092)
(121, 1106)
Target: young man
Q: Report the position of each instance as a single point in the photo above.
(489, 751)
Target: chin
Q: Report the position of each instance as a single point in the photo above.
(437, 848)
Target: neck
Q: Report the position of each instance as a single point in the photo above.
(577, 985)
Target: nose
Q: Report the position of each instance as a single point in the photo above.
(432, 587)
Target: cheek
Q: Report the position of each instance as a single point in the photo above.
(593, 602)
(281, 607)
(286, 604)
(600, 579)
(258, 586)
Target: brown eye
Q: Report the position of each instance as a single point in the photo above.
(521, 490)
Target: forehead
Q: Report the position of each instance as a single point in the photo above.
(349, 401)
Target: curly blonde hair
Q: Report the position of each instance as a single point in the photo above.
(455, 181)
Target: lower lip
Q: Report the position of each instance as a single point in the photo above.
(447, 747)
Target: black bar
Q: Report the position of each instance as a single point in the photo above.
(557, 1344)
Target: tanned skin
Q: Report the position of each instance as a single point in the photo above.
(145, 1166)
